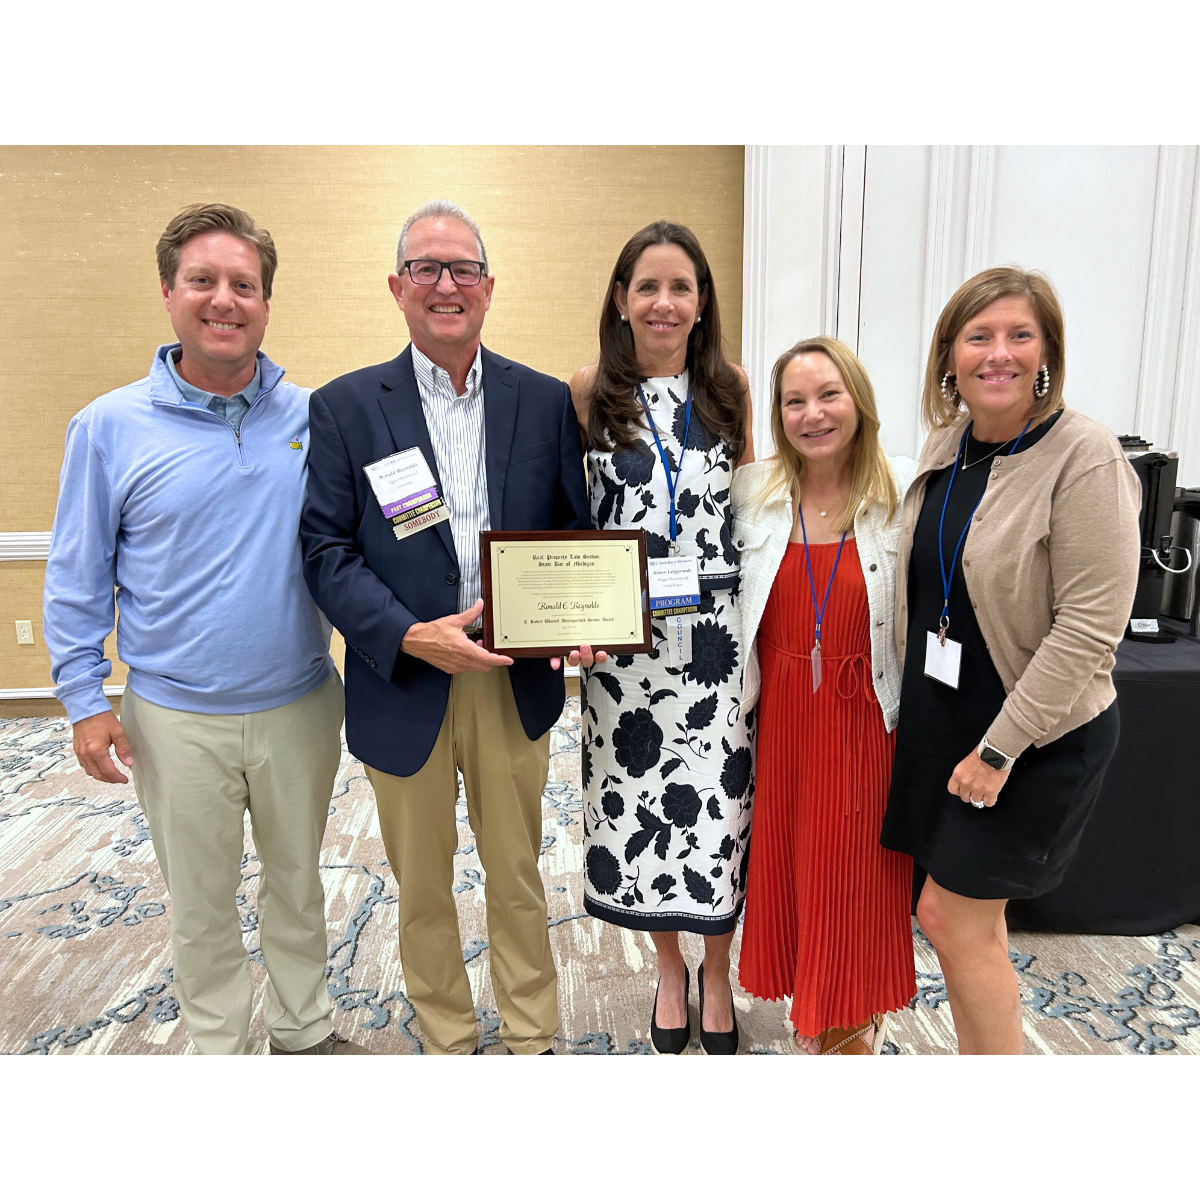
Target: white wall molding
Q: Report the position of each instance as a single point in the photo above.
(977, 254)
(848, 226)
(754, 282)
(24, 547)
(831, 239)
(940, 274)
(45, 693)
(790, 260)
(1185, 427)
(1158, 395)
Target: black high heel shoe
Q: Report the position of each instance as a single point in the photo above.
(671, 1041)
(717, 1043)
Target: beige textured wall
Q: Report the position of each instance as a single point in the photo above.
(81, 311)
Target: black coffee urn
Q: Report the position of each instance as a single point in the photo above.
(1156, 471)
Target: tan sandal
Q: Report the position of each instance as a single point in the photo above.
(841, 1038)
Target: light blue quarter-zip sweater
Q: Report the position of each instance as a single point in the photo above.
(197, 528)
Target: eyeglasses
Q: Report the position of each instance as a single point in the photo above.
(427, 271)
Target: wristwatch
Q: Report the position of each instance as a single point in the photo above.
(993, 757)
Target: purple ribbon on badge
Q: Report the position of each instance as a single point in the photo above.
(407, 502)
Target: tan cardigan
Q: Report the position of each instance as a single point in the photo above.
(1051, 565)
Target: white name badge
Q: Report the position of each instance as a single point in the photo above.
(679, 640)
(674, 586)
(406, 492)
(942, 662)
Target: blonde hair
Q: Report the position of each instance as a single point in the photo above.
(967, 303)
(871, 479)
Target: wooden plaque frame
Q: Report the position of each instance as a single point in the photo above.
(567, 537)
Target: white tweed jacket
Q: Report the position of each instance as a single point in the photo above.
(761, 536)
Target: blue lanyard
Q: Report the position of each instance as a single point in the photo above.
(819, 613)
(944, 620)
(672, 484)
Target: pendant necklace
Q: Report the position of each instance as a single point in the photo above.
(966, 466)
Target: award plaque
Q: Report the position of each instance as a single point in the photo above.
(547, 592)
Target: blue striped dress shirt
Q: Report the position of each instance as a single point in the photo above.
(457, 432)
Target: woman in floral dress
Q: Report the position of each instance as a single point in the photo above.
(667, 764)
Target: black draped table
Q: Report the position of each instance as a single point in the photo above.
(1137, 870)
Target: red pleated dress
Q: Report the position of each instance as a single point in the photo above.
(827, 907)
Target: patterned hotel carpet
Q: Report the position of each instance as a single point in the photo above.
(87, 969)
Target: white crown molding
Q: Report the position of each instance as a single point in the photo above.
(45, 693)
(1157, 396)
(24, 547)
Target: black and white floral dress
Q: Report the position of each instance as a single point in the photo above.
(667, 764)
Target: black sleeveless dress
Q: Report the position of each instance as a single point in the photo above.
(1021, 846)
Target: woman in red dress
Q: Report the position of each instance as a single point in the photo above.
(827, 908)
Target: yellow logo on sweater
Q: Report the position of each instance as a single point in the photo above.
(295, 443)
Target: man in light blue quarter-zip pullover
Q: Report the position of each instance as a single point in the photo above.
(183, 492)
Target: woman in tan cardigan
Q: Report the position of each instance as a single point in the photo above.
(1015, 576)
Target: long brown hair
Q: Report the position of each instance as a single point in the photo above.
(717, 395)
(871, 477)
(967, 303)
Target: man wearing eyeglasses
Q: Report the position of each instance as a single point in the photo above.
(488, 444)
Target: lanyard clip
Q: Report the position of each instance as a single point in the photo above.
(943, 625)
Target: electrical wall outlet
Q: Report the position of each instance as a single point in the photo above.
(24, 633)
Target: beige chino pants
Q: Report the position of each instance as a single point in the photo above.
(196, 775)
(504, 775)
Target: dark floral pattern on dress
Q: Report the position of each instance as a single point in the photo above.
(663, 885)
(714, 654)
(668, 765)
(735, 774)
(698, 438)
(612, 804)
(657, 546)
(603, 870)
(681, 804)
(728, 550)
(637, 741)
(635, 465)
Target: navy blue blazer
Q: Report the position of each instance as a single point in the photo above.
(373, 587)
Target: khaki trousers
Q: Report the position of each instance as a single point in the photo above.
(196, 775)
(504, 775)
